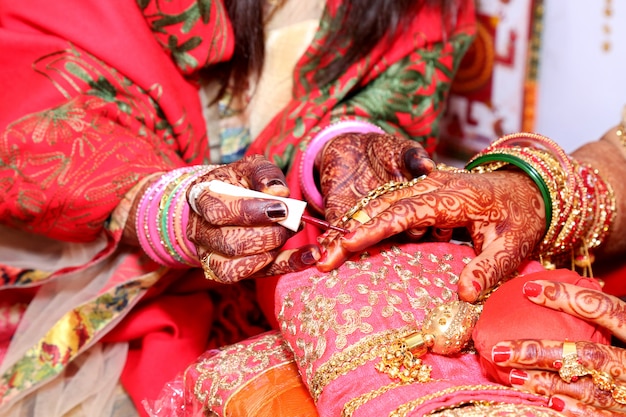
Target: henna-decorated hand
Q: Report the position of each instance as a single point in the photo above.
(503, 212)
(535, 362)
(352, 164)
(241, 233)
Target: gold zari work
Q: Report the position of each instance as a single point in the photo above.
(425, 280)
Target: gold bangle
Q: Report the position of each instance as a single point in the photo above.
(621, 128)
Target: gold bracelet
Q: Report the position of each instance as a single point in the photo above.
(375, 193)
(621, 128)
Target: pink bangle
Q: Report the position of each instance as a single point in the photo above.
(146, 232)
(307, 167)
(153, 217)
(178, 219)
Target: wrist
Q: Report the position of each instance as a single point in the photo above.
(161, 217)
(582, 201)
(129, 234)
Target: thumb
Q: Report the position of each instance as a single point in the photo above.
(293, 260)
(417, 161)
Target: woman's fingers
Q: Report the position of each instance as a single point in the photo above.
(498, 258)
(576, 408)
(353, 164)
(589, 304)
(228, 270)
(293, 260)
(222, 210)
(254, 172)
(589, 373)
(583, 394)
(548, 355)
(239, 241)
(417, 162)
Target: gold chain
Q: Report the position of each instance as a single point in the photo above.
(377, 192)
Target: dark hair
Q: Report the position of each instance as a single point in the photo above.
(364, 24)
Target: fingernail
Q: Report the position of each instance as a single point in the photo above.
(308, 258)
(276, 211)
(477, 287)
(532, 289)
(271, 183)
(500, 353)
(518, 377)
(556, 404)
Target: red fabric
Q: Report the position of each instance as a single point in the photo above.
(509, 315)
(170, 330)
(96, 95)
(613, 275)
(126, 108)
(165, 337)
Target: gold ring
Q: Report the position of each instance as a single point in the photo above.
(206, 267)
(361, 216)
(570, 368)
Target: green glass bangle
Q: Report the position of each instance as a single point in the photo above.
(524, 166)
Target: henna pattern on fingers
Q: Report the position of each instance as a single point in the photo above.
(354, 163)
(485, 205)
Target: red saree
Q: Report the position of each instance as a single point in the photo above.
(94, 96)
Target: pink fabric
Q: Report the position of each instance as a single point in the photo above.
(388, 287)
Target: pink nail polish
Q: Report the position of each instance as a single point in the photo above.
(532, 289)
(556, 404)
(518, 377)
(500, 353)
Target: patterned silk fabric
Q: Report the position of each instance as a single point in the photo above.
(95, 96)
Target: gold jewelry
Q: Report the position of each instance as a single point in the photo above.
(361, 216)
(446, 330)
(570, 368)
(621, 129)
(357, 210)
(206, 267)
(605, 382)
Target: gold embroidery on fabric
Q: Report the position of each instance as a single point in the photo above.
(368, 349)
(320, 316)
(236, 364)
(406, 408)
(497, 410)
(351, 406)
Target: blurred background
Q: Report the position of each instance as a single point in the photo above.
(550, 66)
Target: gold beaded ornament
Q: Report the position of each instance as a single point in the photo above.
(446, 329)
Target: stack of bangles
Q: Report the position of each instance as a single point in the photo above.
(579, 204)
(162, 216)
